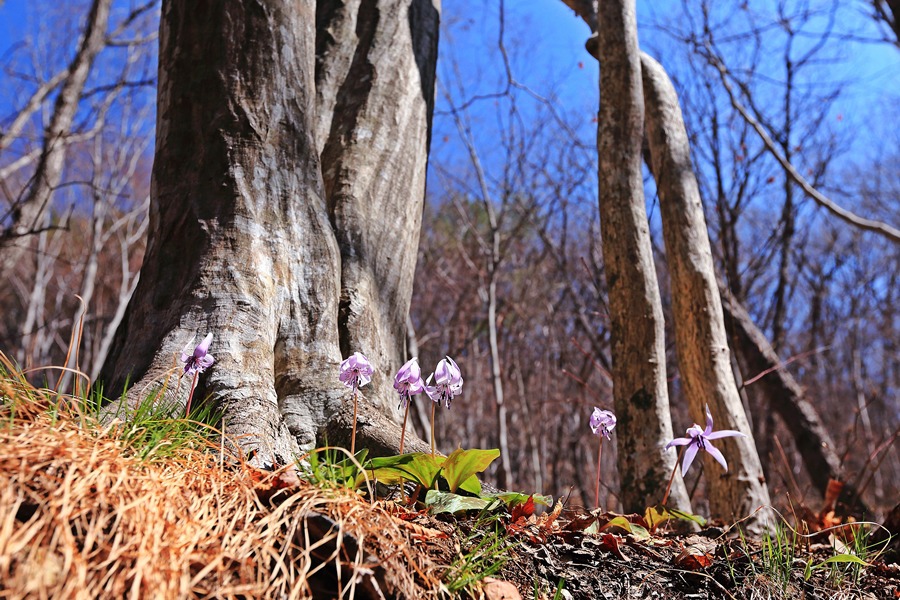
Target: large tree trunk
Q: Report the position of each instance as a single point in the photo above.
(375, 75)
(638, 349)
(703, 355)
(243, 240)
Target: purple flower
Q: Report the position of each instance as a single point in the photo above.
(199, 359)
(699, 440)
(448, 382)
(602, 422)
(408, 382)
(356, 371)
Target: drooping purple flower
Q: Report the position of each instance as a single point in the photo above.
(198, 359)
(602, 422)
(698, 439)
(356, 371)
(408, 382)
(448, 382)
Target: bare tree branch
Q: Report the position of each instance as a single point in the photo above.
(33, 104)
(821, 199)
(28, 212)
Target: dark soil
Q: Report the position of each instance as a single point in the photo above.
(551, 561)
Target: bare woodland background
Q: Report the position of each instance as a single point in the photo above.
(509, 277)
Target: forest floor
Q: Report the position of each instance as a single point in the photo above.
(153, 512)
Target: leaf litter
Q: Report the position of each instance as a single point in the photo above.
(80, 518)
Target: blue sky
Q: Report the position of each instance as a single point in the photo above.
(546, 46)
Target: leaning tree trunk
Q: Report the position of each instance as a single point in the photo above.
(638, 348)
(759, 360)
(242, 242)
(701, 343)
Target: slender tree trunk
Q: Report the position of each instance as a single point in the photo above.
(638, 349)
(786, 239)
(862, 404)
(38, 297)
(702, 345)
(496, 375)
(248, 241)
(132, 236)
(534, 433)
(26, 215)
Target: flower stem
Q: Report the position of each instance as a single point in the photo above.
(187, 411)
(599, 455)
(353, 434)
(671, 479)
(403, 431)
(433, 404)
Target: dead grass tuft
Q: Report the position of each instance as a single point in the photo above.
(80, 518)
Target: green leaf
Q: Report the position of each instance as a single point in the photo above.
(418, 467)
(471, 485)
(346, 470)
(594, 527)
(843, 558)
(623, 524)
(463, 464)
(639, 532)
(448, 502)
(512, 498)
(808, 570)
(659, 514)
(389, 461)
(656, 516)
(684, 516)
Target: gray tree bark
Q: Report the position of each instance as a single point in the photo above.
(702, 345)
(638, 348)
(249, 241)
(375, 73)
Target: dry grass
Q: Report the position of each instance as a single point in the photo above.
(81, 518)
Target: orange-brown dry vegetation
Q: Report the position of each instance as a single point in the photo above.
(81, 518)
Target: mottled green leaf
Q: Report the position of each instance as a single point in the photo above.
(512, 498)
(448, 502)
(463, 464)
(418, 467)
(624, 525)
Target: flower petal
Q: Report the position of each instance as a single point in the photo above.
(188, 351)
(694, 430)
(723, 433)
(689, 455)
(717, 455)
(203, 347)
(679, 442)
(709, 422)
(432, 392)
(454, 368)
